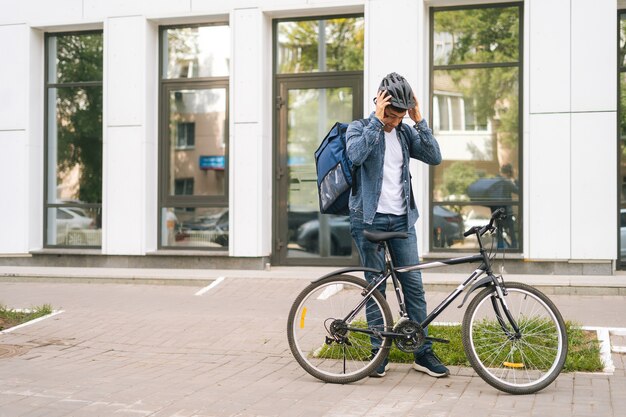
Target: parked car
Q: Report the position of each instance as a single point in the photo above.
(448, 227)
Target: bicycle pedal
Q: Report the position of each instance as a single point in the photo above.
(436, 339)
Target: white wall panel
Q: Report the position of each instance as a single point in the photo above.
(35, 137)
(126, 69)
(385, 56)
(549, 186)
(594, 58)
(150, 136)
(594, 177)
(46, 11)
(123, 214)
(549, 78)
(13, 76)
(101, 9)
(14, 211)
(247, 72)
(218, 6)
(11, 12)
(246, 190)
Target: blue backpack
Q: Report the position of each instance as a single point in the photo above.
(335, 173)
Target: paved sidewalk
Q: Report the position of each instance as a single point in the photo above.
(148, 350)
(550, 284)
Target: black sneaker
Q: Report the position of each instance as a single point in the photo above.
(381, 371)
(430, 364)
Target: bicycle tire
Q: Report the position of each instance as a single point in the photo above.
(315, 308)
(515, 365)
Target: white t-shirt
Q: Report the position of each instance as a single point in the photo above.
(391, 195)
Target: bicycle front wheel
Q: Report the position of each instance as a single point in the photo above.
(325, 344)
(515, 363)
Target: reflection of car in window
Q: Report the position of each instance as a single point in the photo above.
(213, 227)
(68, 221)
(73, 218)
(447, 227)
(340, 238)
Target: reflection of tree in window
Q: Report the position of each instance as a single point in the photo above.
(192, 52)
(299, 48)
(476, 71)
(79, 112)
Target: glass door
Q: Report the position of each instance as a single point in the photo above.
(307, 109)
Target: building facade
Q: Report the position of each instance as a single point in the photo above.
(181, 133)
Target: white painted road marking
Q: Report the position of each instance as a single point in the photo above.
(604, 337)
(215, 283)
(330, 291)
(10, 329)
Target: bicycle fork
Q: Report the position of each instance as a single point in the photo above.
(499, 304)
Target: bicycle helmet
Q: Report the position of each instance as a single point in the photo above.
(399, 89)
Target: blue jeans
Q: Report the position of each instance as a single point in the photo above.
(403, 253)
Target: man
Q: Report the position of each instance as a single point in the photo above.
(384, 201)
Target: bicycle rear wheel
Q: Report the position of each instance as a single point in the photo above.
(324, 344)
(520, 364)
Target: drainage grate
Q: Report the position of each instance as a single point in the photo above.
(9, 351)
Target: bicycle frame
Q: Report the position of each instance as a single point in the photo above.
(391, 270)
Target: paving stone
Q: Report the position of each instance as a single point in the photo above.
(161, 351)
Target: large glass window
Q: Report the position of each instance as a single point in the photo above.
(73, 166)
(622, 137)
(194, 137)
(476, 83)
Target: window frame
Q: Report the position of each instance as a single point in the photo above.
(519, 64)
(46, 142)
(187, 202)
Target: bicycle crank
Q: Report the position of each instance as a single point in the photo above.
(410, 335)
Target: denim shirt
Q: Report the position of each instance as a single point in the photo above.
(366, 149)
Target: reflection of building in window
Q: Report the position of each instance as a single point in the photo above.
(451, 112)
(443, 44)
(185, 135)
(183, 186)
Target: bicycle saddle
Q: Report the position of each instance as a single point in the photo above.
(376, 236)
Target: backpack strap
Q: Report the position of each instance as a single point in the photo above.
(355, 169)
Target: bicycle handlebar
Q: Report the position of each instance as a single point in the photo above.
(499, 214)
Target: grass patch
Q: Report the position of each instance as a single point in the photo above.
(11, 318)
(583, 350)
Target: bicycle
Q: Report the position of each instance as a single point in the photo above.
(513, 335)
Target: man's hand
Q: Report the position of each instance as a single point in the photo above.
(414, 113)
(382, 101)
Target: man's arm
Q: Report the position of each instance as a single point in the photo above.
(360, 139)
(422, 144)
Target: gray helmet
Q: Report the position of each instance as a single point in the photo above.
(399, 89)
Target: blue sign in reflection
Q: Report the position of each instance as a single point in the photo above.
(216, 162)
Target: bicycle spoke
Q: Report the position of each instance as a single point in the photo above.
(320, 339)
(517, 362)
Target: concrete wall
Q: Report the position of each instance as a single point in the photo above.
(569, 97)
